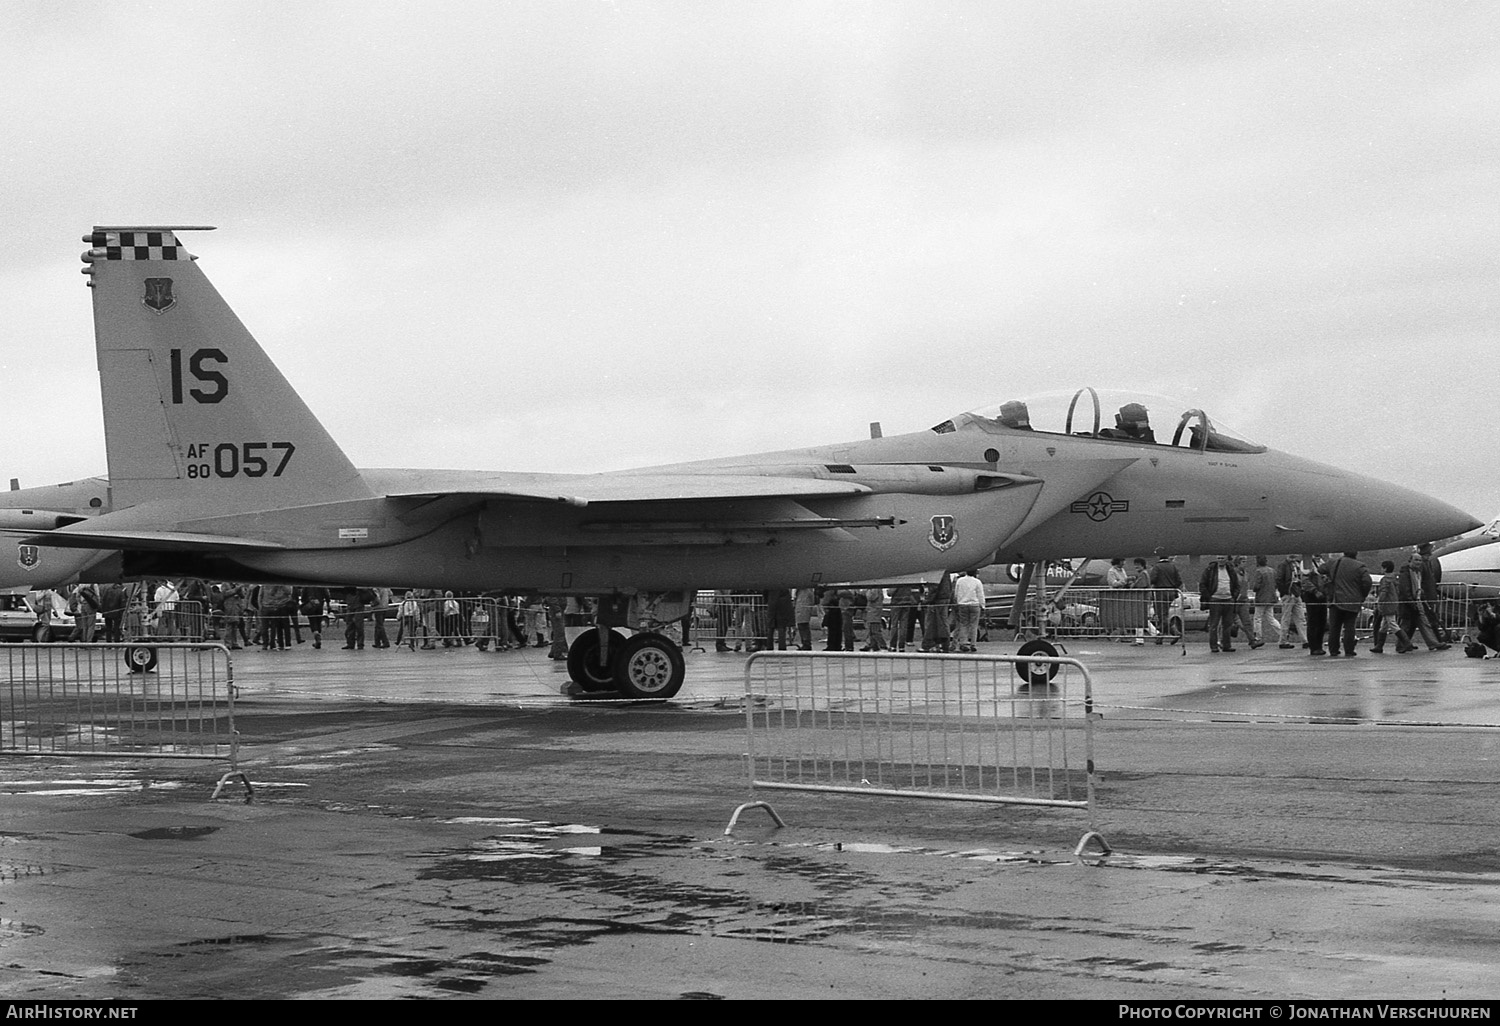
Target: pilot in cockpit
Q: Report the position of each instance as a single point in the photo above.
(1131, 422)
(1014, 414)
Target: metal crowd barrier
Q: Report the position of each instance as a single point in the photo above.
(181, 621)
(446, 622)
(950, 727)
(736, 619)
(1094, 612)
(162, 701)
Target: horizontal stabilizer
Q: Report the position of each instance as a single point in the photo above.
(150, 541)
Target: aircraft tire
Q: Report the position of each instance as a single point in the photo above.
(140, 658)
(650, 666)
(1034, 674)
(583, 662)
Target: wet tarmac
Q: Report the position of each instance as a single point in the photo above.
(447, 824)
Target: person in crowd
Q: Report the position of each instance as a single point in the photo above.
(1348, 584)
(536, 621)
(557, 620)
(1432, 576)
(409, 623)
(49, 609)
(802, 611)
(294, 617)
(235, 636)
(481, 623)
(315, 608)
(1262, 591)
(744, 622)
(354, 619)
(1141, 580)
(1414, 617)
(874, 620)
(112, 605)
(833, 620)
(723, 614)
(1219, 591)
(85, 605)
(850, 600)
(1293, 610)
(276, 629)
(1166, 583)
(782, 615)
(215, 611)
(451, 632)
(1244, 609)
(379, 611)
(936, 632)
(164, 610)
(1487, 627)
(192, 605)
(1117, 576)
(903, 616)
(1315, 602)
(968, 598)
(1388, 610)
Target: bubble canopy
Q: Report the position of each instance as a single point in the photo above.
(1109, 415)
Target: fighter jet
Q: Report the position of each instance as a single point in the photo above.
(1474, 560)
(26, 510)
(218, 469)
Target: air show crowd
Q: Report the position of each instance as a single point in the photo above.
(1311, 602)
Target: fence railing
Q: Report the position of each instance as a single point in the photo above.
(952, 727)
(165, 701)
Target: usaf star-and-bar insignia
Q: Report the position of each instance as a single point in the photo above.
(1100, 505)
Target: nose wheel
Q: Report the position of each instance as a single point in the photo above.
(1037, 674)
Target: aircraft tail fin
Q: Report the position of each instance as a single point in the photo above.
(194, 410)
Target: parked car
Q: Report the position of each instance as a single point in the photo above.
(18, 622)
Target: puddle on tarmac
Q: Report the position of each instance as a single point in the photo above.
(10, 872)
(508, 901)
(175, 833)
(323, 966)
(10, 930)
(87, 787)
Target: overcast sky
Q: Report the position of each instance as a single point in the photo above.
(591, 235)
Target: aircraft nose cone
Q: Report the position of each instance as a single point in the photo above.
(1401, 516)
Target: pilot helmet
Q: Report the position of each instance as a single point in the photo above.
(1133, 413)
(1014, 414)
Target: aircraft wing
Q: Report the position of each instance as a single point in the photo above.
(581, 491)
(160, 541)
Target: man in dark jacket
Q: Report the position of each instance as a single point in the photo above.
(1167, 580)
(1348, 584)
(1219, 591)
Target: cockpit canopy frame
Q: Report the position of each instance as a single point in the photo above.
(1084, 418)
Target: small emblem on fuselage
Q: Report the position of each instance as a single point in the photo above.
(28, 557)
(159, 294)
(1100, 506)
(944, 534)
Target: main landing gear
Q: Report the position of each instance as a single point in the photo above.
(644, 665)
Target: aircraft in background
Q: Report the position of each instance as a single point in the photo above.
(218, 469)
(25, 511)
(1474, 559)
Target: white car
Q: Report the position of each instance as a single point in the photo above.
(19, 622)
